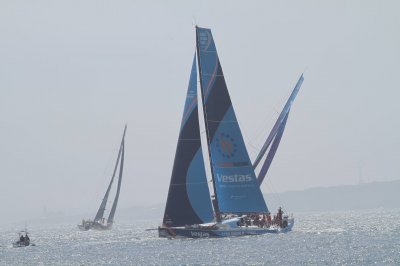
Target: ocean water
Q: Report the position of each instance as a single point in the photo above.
(334, 238)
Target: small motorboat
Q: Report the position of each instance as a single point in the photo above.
(23, 240)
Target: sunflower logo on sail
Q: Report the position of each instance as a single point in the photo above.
(226, 145)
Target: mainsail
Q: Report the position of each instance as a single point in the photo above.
(188, 199)
(235, 185)
(100, 213)
(276, 134)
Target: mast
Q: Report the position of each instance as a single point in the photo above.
(102, 208)
(110, 219)
(203, 100)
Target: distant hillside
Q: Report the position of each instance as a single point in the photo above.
(341, 198)
(350, 197)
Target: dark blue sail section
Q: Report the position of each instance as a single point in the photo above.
(188, 196)
(272, 151)
(235, 184)
(279, 121)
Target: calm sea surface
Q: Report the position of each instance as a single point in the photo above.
(355, 238)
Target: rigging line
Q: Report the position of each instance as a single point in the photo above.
(287, 95)
(247, 139)
(274, 194)
(265, 127)
(250, 141)
(255, 150)
(262, 126)
(98, 188)
(264, 136)
(254, 147)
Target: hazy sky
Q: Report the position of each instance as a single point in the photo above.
(73, 72)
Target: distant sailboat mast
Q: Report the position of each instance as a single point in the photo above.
(110, 219)
(102, 208)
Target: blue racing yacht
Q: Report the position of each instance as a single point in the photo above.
(237, 206)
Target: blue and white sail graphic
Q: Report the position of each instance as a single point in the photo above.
(235, 184)
(275, 135)
(188, 196)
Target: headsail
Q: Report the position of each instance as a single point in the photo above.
(279, 121)
(110, 219)
(235, 184)
(272, 151)
(100, 212)
(188, 199)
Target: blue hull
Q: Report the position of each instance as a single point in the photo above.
(181, 232)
